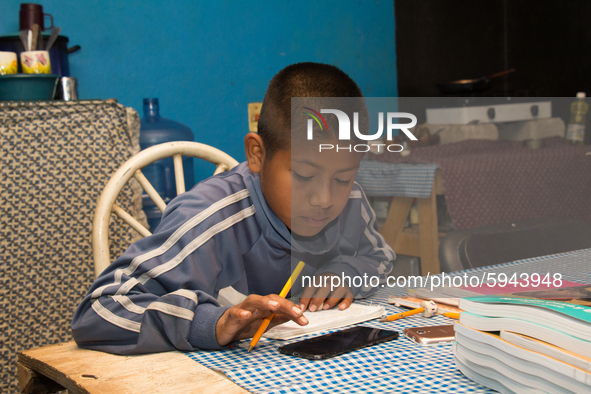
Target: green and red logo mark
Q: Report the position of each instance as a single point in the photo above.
(315, 115)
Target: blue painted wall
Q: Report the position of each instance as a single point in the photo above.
(206, 60)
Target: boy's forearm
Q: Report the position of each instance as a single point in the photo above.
(166, 323)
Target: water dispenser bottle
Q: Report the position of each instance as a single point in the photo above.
(155, 130)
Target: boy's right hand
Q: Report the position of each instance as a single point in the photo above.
(243, 320)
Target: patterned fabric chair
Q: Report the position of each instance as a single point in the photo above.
(56, 159)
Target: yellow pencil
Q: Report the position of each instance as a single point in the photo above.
(286, 288)
(402, 315)
(452, 315)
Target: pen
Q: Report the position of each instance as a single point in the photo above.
(286, 288)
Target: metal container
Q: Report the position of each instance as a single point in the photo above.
(67, 89)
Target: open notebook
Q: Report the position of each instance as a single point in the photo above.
(326, 320)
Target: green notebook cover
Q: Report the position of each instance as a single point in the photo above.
(573, 301)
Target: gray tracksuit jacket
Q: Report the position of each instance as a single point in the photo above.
(161, 293)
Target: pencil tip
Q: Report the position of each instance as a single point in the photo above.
(384, 319)
(250, 348)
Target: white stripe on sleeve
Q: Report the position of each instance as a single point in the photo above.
(127, 304)
(172, 310)
(187, 294)
(114, 319)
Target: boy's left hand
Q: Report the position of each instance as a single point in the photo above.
(325, 297)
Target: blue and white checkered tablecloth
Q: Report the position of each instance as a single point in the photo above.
(393, 367)
(396, 179)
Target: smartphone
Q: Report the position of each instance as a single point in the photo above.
(431, 335)
(339, 342)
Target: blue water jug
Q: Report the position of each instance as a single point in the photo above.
(155, 130)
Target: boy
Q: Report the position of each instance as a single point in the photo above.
(244, 229)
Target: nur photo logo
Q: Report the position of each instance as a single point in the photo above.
(344, 132)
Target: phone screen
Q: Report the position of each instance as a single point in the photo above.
(338, 342)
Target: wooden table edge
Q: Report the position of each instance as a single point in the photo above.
(87, 372)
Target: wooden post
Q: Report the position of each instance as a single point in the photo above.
(397, 214)
(428, 235)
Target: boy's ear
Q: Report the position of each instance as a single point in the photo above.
(255, 151)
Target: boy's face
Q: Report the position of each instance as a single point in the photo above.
(308, 189)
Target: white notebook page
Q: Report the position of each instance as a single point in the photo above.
(326, 320)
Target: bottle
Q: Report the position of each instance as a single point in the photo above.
(575, 131)
(155, 130)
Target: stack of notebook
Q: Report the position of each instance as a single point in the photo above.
(536, 341)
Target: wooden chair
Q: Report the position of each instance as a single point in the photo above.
(424, 242)
(107, 204)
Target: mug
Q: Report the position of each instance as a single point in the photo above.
(8, 64)
(35, 62)
(31, 14)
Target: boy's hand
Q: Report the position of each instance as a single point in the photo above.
(243, 320)
(326, 297)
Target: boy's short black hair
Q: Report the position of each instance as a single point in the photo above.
(298, 80)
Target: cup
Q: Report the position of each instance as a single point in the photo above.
(8, 64)
(31, 14)
(35, 62)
